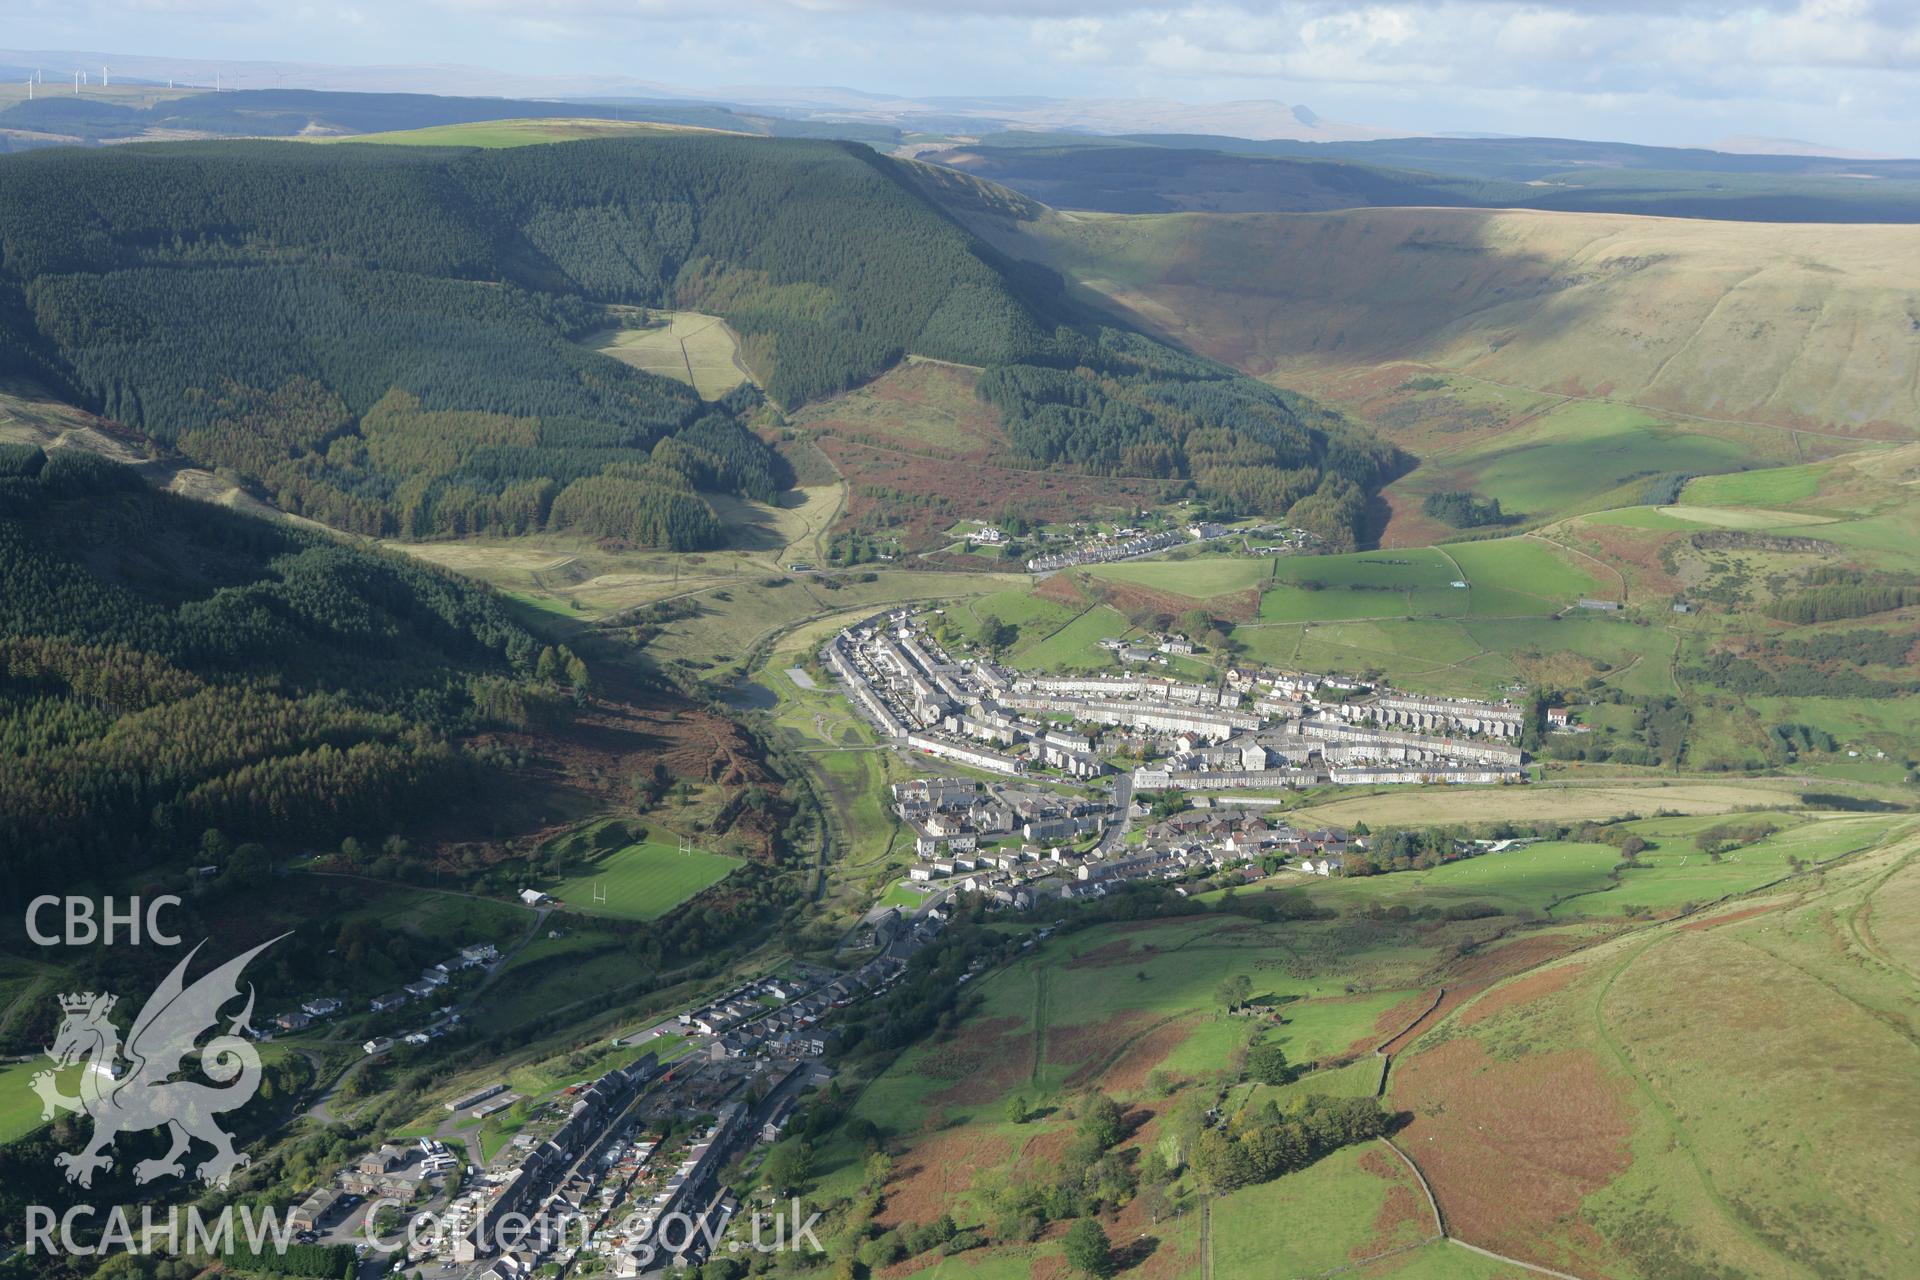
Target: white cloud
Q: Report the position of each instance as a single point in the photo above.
(1670, 70)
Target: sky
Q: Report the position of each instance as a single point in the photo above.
(1841, 72)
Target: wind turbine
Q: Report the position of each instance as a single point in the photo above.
(76, 83)
(104, 81)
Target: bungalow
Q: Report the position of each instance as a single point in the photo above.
(322, 1007)
(534, 898)
(391, 1000)
(293, 1021)
(479, 953)
(379, 1044)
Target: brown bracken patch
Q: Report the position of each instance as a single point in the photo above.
(986, 1062)
(1089, 1046)
(1520, 991)
(1390, 1022)
(1512, 1147)
(1129, 1074)
(1403, 1218)
(1107, 953)
(927, 1178)
(1745, 913)
(1469, 975)
(1061, 589)
(1491, 964)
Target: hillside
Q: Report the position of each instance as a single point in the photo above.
(390, 339)
(168, 667)
(1497, 158)
(1123, 179)
(1169, 173)
(127, 113)
(1806, 327)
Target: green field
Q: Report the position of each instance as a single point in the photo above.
(19, 1104)
(1675, 873)
(1525, 576)
(1524, 881)
(1200, 577)
(1655, 519)
(1472, 656)
(1035, 616)
(1504, 577)
(1371, 584)
(1581, 450)
(643, 881)
(1772, 487)
(699, 350)
(1309, 1223)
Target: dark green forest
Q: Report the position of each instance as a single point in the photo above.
(384, 338)
(168, 666)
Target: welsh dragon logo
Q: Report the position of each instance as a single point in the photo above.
(140, 1092)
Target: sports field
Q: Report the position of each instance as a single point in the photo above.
(1503, 577)
(643, 881)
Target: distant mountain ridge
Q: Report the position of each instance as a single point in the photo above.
(1171, 173)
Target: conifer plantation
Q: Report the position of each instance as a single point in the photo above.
(384, 338)
(169, 667)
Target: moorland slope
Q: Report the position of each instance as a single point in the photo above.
(1803, 326)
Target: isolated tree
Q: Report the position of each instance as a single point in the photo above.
(787, 1166)
(1100, 1120)
(250, 866)
(1154, 1168)
(1154, 1199)
(1088, 1250)
(577, 679)
(1268, 1064)
(1016, 1109)
(998, 636)
(1234, 991)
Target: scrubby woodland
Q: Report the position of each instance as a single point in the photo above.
(383, 338)
(169, 667)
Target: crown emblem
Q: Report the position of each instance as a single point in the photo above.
(83, 1001)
